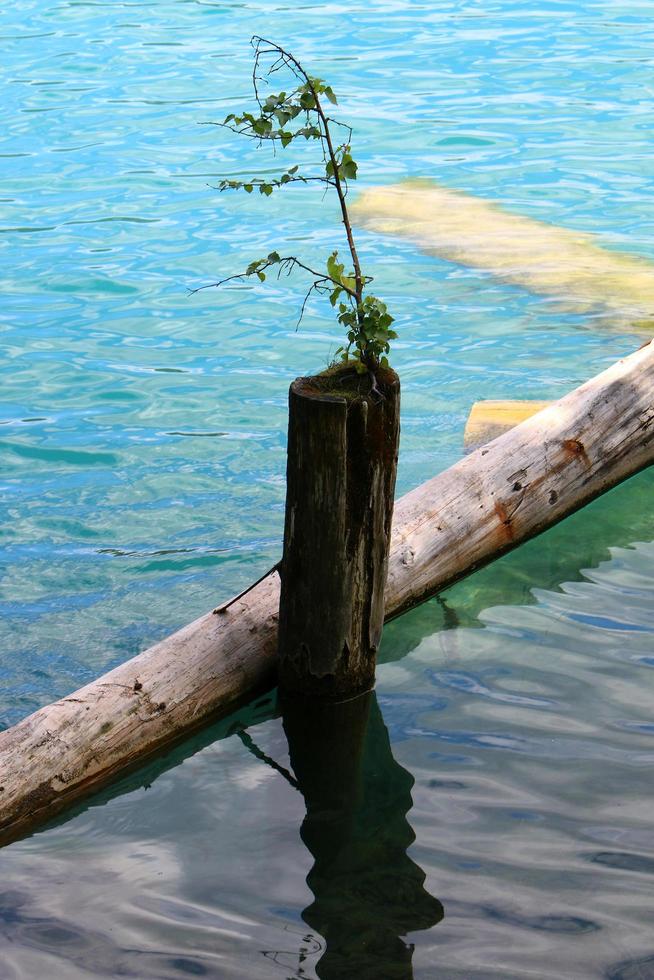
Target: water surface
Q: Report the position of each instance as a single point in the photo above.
(142, 438)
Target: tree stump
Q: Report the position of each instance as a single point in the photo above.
(342, 458)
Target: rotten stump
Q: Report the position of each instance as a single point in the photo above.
(342, 459)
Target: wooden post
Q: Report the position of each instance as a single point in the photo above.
(342, 459)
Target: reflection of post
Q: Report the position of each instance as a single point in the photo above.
(368, 892)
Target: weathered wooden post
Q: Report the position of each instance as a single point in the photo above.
(342, 458)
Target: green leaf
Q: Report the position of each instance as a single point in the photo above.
(248, 188)
(261, 126)
(309, 133)
(334, 268)
(273, 257)
(292, 170)
(348, 167)
(262, 276)
(285, 138)
(330, 95)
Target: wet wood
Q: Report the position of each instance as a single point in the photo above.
(498, 496)
(491, 418)
(342, 461)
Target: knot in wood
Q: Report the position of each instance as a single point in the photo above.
(408, 557)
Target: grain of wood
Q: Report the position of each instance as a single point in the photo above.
(340, 489)
(500, 495)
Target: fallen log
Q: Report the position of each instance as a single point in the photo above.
(571, 266)
(500, 495)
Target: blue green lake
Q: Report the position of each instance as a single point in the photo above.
(505, 826)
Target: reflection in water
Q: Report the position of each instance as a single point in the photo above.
(368, 892)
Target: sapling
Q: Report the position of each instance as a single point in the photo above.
(280, 118)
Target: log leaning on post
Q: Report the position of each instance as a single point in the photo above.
(502, 494)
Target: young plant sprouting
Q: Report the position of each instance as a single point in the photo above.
(300, 113)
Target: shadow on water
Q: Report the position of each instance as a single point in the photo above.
(368, 893)
(583, 540)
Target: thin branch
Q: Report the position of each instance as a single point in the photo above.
(313, 286)
(343, 125)
(367, 321)
(219, 610)
(258, 42)
(290, 262)
(277, 182)
(254, 81)
(243, 132)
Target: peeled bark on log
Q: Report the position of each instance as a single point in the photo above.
(342, 460)
(502, 494)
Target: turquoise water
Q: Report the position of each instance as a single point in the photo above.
(142, 434)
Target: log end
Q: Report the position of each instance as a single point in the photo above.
(341, 382)
(492, 418)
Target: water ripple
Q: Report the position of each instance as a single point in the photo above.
(143, 462)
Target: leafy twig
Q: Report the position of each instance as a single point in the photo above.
(300, 114)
